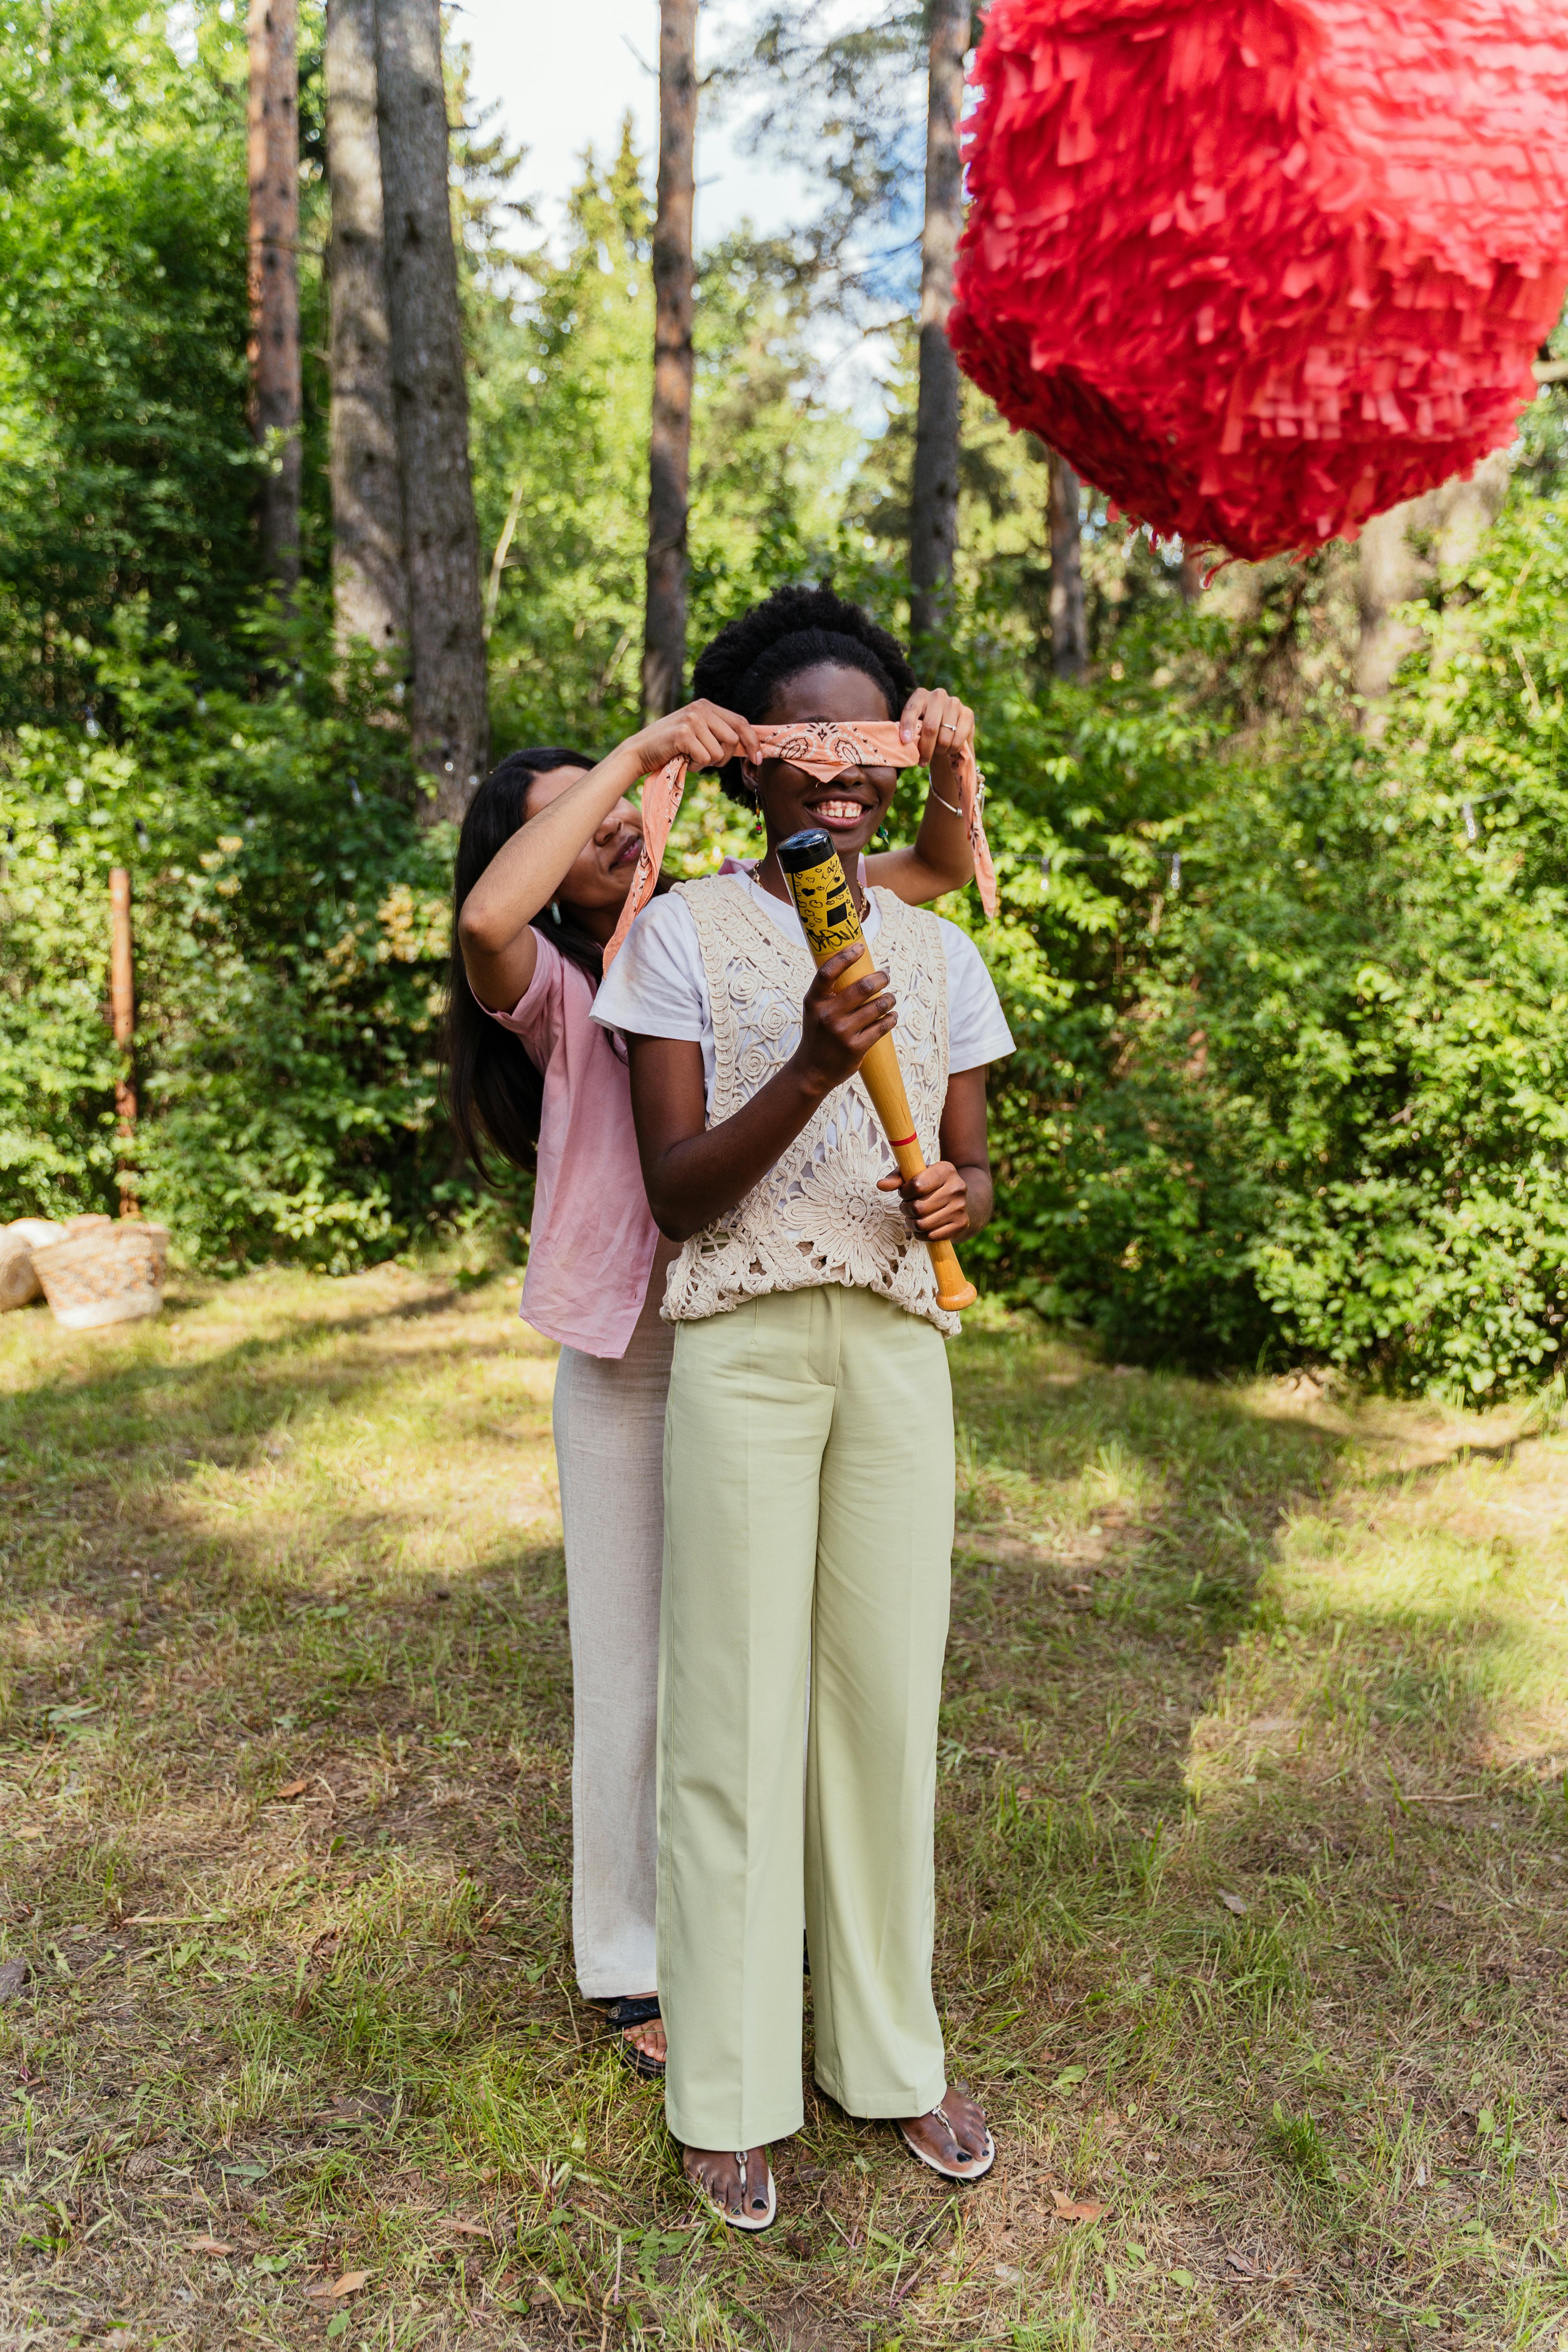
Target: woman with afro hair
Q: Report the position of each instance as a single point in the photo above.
(809, 1448)
(543, 870)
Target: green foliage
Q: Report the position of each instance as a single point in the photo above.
(1305, 1097)
(562, 397)
(1312, 1103)
(125, 466)
(291, 922)
(560, 400)
(1428, 1081)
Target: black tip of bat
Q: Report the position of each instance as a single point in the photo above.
(804, 849)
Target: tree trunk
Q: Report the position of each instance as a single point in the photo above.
(1387, 574)
(1396, 558)
(274, 276)
(450, 723)
(669, 451)
(370, 591)
(1070, 635)
(934, 512)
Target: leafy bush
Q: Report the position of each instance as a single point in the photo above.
(1422, 1225)
(1314, 1102)
(126, 466)
(291, 922)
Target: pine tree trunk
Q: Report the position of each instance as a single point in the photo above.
(669, 451)
(370, 590)
(274, 276)
(1069, 634)
(934, 512)
(450, 721)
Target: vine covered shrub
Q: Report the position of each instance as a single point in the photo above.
(291, 921)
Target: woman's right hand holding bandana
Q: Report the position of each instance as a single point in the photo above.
(704, 734)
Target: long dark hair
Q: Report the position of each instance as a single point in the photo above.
(494, 1089)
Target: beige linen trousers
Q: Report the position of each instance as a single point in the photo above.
(608, 1418)
(808, 1471)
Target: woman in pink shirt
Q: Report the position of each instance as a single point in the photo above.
(544, 864)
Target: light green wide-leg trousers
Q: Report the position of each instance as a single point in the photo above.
(808, 1491)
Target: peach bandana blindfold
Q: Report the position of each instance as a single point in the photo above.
(824, 749)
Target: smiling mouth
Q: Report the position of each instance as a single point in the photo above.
(837, 814)
(629, 853)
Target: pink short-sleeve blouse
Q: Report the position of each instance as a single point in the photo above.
(592, 1243)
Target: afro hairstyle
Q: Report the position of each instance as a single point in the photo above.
(795, 630)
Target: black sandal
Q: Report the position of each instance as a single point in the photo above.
(636, 2011)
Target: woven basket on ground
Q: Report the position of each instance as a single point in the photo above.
(104, 1272)
(18, 1276)
(19, 1284)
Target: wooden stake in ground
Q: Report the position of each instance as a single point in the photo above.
(122, 1001)
(450, 722)
(669, 451)
(274, 276)
(934, 512)
(1069, 631)
(370, 588)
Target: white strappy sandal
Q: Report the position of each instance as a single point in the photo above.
(974, 2167)
(745, 2220)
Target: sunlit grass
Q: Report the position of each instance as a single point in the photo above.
(1252, 1846)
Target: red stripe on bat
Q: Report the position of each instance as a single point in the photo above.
(898, 1141)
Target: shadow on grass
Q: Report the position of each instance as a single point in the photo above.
(1236, 1812)
(248, 1388)
(1222, 1975)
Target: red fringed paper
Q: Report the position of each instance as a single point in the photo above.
(1261, 269)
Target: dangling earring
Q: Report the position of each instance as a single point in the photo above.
(555, 911)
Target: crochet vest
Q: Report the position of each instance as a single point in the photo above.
(816, 1217)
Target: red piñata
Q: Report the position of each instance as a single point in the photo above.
(1261, 269)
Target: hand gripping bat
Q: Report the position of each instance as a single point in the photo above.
(827, 916)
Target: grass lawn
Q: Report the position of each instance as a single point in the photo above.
(1252, 1856)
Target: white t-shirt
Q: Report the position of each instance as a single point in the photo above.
(657, 986)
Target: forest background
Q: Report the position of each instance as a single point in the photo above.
(1282, 858)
